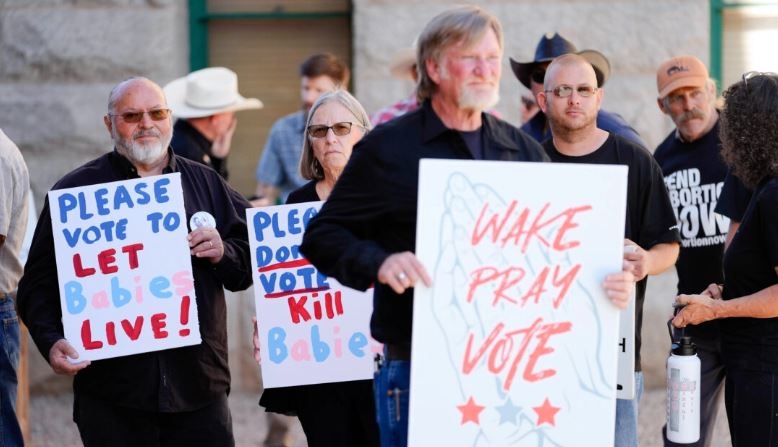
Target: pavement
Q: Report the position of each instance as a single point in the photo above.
(52, 424)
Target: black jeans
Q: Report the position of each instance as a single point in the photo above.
(101, 423)
(751, 392)
(751, 398)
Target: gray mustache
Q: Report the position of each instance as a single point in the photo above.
(692, 114)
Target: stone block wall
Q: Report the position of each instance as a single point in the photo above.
(635, 35)
(58, 61)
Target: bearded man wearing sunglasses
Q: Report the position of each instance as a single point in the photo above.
(172, 397)
(571, 99)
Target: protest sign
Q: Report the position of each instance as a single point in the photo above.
(312, 329)
(625, 374)
(515, 343)
(124, 268)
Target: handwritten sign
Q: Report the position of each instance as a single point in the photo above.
(124, 268)
(311, 328)
(515, 343)
(625, 374)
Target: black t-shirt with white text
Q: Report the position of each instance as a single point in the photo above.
(694, 174)
(650, 219)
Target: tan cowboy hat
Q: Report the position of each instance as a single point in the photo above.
(402, 62)
(207, 92)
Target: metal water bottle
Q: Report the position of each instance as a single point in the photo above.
(683, 392)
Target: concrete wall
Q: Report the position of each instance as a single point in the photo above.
(635, 35)
(59, 59)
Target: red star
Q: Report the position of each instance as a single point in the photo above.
(546, 413)
(470, 411)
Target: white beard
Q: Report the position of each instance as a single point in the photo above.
(473, 99)
(469, 99)
(143, 154)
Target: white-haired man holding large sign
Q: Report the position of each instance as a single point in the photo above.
(133, 303)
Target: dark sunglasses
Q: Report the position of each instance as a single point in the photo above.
(563, 91)
(135, 117)
(320, 130)
(538, 75)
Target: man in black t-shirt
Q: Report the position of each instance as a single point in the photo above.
(694, 174)
(571, 100)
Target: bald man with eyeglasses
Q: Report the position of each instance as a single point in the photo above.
(571, 99)
(531, 74)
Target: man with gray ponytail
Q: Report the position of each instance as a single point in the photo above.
(691, 161)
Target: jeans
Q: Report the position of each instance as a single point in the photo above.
(627, 416)
(391, 387)
(10, 433)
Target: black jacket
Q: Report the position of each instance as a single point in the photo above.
(371, 213)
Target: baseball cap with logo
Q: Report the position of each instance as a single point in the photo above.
(680, 71)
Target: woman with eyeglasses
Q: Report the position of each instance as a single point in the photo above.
(747, 302)
(341, 413)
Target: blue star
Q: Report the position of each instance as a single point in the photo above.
(508, 412)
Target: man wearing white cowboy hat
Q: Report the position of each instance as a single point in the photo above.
(531, 74)
(403, 67)
(205, 101)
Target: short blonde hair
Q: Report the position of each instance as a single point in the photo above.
(466, 24)
(310, 168)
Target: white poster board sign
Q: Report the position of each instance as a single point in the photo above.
(515, 342)
(312, 329)
(625, 376)
(124, 268)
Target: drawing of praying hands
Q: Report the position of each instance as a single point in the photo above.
(499, 284)
(466, 317)
(589, 372)
(580, 303)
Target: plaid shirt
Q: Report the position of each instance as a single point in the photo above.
(280, 162)
(393, 111)
(404, 106)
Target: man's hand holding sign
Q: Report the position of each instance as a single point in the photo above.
(108, 292)
(124, 271)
